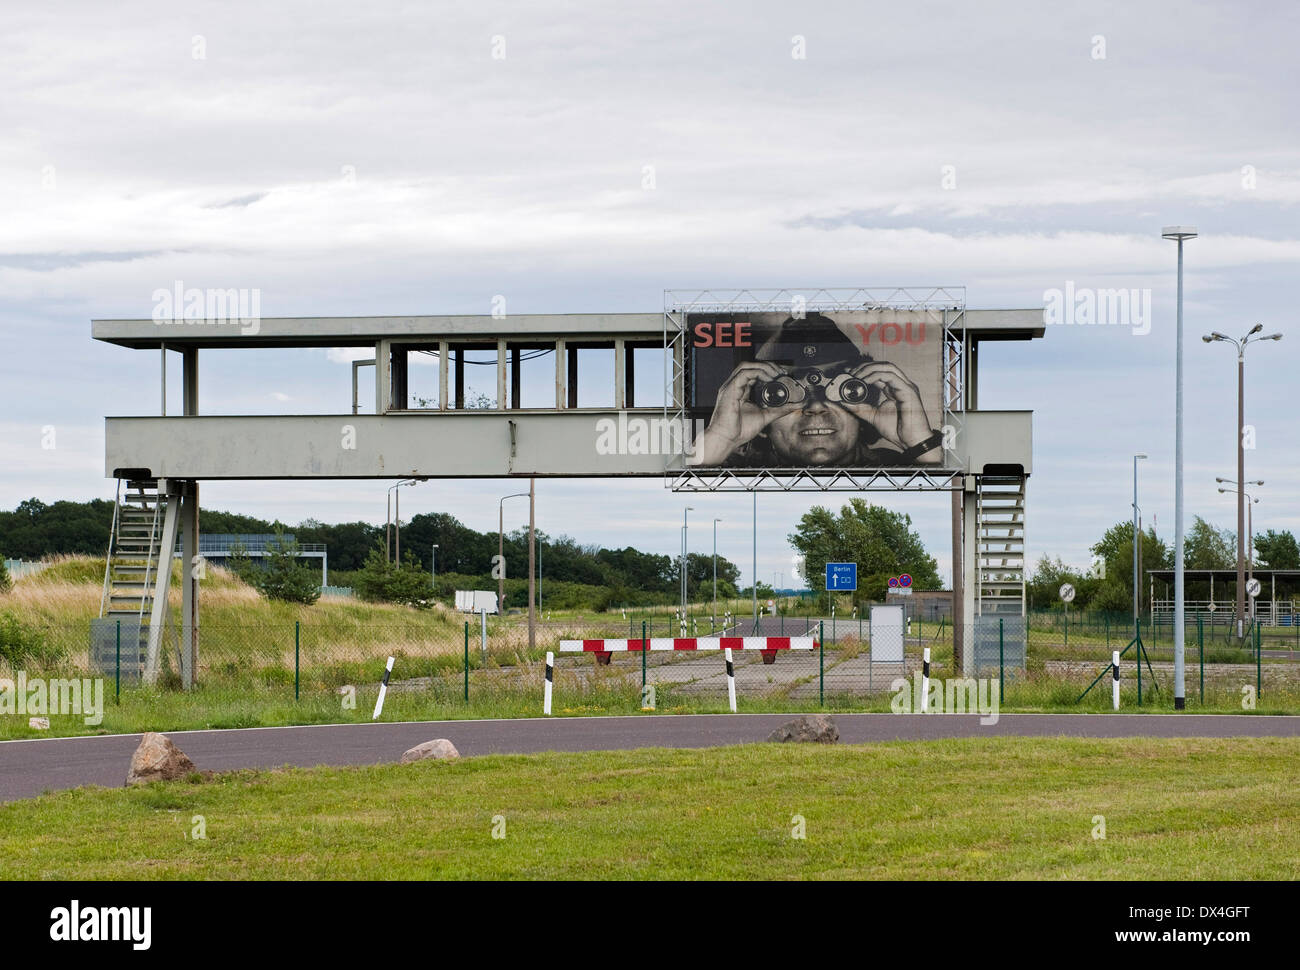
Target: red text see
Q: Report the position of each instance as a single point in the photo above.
(722, 335)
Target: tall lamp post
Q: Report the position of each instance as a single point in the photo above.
(398, 517)
(1137, 540)
(714, 621)
(1241, 459)
(501, 551)
(1181, 234)
(1249, 564)
(685, 513)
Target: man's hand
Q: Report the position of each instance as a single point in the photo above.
(900, 416)
(736, 418)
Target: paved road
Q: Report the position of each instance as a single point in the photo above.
(29, 767)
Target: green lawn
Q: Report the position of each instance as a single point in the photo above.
(984, 808)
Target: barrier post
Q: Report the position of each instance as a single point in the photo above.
(297, 667)
(644, 650)
(731, 681)
(925, 681)
(550, 674)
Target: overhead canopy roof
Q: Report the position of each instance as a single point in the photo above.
(981, 325)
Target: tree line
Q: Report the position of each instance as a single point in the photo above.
(35, 530)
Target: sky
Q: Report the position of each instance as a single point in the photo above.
(402, 158)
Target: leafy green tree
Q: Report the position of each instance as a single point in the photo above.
(1277, 550)
(1114, 552)
(285, 577)
(881, 542)
(1206, 547)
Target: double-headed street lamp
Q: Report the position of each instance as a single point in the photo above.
(389, 527)
(1250, 337)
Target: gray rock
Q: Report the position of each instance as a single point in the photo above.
(157, 759)
(40, 723)
(439, 748)
(810, 727)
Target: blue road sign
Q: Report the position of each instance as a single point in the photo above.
(841, 576)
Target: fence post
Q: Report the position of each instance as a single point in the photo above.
(821, 663)
(1106, 620)
(645, 648)
(1002, 662)
(297, 640)
(118, 679)
(1139, 660)
(1259, 686)
(467, 661)
(1200, 646)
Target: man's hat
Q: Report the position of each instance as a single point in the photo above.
(812, 341)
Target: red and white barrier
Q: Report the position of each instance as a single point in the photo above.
(688, 643)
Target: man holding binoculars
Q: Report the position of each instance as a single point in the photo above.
(810, 397)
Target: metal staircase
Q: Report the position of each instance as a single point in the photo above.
(138, 571)
(1000, 547)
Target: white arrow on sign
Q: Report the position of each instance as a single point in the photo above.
(1067, 592)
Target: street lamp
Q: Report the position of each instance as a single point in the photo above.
(1251, 501)
(398, 510)
(1181, 234)
(1137, 541)
(1213, 337)
(685, 547)
(714, 622)
(501, 551)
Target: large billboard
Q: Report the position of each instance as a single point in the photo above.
(845, 389)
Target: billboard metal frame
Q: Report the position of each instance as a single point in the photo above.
(678, 304)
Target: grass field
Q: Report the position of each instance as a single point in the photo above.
(265, 663)
(995, 808)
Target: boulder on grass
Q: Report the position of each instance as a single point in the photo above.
(816, 728)
(157, 759)
(439, 748)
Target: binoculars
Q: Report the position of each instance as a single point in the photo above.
(838, 389)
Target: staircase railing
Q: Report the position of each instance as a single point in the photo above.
(112, 541)
(148, 558)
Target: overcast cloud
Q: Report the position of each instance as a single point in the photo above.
(359, 159)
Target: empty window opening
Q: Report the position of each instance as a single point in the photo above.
(591, 375)
(531, 375)
(647, 377)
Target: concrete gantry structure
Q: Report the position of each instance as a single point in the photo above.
(451, 437)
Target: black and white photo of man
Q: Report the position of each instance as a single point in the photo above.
(813, 396)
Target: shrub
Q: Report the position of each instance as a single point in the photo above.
(381, 581)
